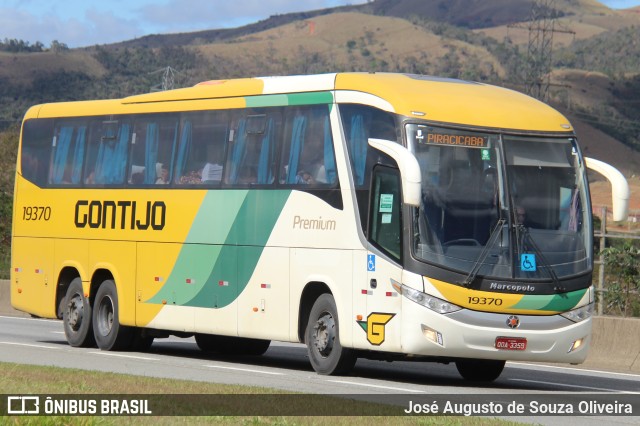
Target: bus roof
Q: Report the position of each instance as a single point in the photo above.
(440, 100)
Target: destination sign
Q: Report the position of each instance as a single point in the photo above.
(431, 138)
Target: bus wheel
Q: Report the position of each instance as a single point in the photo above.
(76, 316)
(480, 370)
(109, 333)
(326, 354)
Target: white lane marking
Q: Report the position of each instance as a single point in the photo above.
(30, 319)
(572, 386)
(144, 358)
(345, 382)
(56, 332)
(29, 345)
(571, 370)
(247, 370)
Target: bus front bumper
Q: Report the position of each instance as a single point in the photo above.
(483, 335)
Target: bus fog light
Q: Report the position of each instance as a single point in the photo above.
(433, 335)
(576, 344)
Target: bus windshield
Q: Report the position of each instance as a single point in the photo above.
(501, 206)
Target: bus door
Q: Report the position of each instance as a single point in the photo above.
(382, 323)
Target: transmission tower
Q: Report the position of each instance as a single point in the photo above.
(541, 27)
(168, 79)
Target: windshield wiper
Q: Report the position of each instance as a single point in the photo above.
(483, 254)
(543, 261)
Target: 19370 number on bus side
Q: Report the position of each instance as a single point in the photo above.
(36, 213)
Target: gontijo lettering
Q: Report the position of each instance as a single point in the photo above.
(120, 214)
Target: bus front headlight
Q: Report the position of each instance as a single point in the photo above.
(435, 304)
(579, 314)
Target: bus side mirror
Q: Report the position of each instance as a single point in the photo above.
(409, 169)
(619, 187)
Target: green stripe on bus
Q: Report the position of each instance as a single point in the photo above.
(556, 302)
(212, 272)
(311, 98)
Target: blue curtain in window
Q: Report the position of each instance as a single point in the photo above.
(329, 158)
(359, 147)
(183, 151)
(151, 153)
(174, 147)
(267, 152)
(120, 155)
(297, 139)
(78, 155)
(62, 151)
(239, 151)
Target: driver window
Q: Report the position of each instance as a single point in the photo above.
(385, 226)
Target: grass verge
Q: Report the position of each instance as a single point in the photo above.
(18, 379)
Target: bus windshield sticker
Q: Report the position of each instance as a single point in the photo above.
(386, 203)
(386, 218)
(485, 155)
(528, 262)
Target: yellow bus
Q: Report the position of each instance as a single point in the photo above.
(373, 215)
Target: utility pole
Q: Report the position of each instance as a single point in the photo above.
(541, 27)
(168, 79)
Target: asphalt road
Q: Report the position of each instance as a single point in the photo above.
(285, 366)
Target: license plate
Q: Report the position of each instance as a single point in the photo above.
(511, 343)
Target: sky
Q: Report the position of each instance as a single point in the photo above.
(79, 23)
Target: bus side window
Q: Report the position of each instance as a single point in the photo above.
(385, 223)
(68, 153)
(202, 148)
(308, 156)
(253, 147)
(36, 150)
(152, 145)
(108, 148)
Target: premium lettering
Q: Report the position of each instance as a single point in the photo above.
(120, 214)
(317, 224)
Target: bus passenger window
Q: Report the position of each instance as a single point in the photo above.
(252, 155)
(201, 148)
(68, 154)
(152, 144)
(36, 150)
(308, 155)
(107, 152)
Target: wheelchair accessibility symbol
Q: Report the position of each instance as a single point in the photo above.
(528, 262)
(371, 263)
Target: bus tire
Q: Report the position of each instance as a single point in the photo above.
(76, 316)
(480, 370)
(109, 333)
(326, 354)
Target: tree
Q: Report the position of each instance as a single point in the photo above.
(622, 291)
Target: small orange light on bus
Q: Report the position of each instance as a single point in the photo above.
(255, 309)
(164, 302)
(19, 290)
(359, 317)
